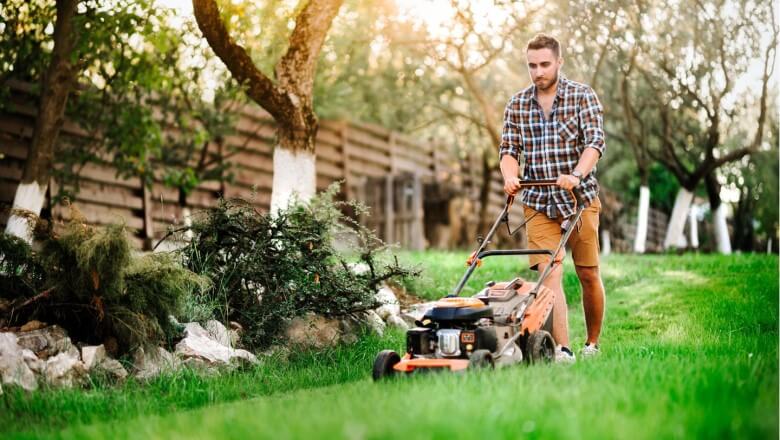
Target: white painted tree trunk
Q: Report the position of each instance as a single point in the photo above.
(722, 230)
(606, 243)
(294, 176)
(674, 231)
(186, 213)
(27, 206)
(640, 241)
(693, 226)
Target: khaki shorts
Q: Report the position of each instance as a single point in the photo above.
(545, 233)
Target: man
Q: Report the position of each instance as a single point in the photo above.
(558, 126)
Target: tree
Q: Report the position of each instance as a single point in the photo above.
(289, 98)
(692, 76)
(130, 75)
(58, 80)
(477, 37)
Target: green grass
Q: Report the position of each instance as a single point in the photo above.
(690, 350)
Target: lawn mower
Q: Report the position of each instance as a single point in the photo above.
(505, 323)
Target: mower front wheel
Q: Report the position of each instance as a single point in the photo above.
(540, 347)
(383, 364)
(481, 359)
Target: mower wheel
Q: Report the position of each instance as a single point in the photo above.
(481, 359)
(540, 347)
(383, 364)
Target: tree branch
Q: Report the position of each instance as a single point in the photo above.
(258, 86)
(295, 70)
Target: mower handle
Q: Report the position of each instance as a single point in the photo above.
(575, 193)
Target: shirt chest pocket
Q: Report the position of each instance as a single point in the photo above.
(568, 128)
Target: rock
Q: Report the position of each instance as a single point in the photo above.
(219, 333)
(149, 365)
(47, 341)
(397, 322)
(64, 370)
(199, 344)
(389, 303)
(113, 368)
(358, 268)
(32, 325)
(92, 355)
(32, 361)
(13, 368)
(313, 330)
(375, 323)
(416, 312)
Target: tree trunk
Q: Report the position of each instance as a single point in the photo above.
(606, 242)
(640, 240)
(294, 177)
(57, 83)
(693, 226)
(718, 214)
(289, 99)
(674, 231)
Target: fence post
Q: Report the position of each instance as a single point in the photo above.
(389, 207)
(147, 212)
(343, 131)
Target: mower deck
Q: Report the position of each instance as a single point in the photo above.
(409, 364)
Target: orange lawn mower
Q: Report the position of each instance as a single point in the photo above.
(505, 323)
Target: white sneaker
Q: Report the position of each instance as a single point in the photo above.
(564, 355)
(590, 350)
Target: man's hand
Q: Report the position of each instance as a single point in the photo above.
(567, 182)
(512, 186)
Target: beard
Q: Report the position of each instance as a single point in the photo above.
(546, 85)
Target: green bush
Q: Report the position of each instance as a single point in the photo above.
(87, 280)
(267, 268)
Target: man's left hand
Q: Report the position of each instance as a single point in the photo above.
(567, 181)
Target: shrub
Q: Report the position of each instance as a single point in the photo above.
(87, 281)
(268, 268)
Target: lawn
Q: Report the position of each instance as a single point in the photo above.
(690, 349)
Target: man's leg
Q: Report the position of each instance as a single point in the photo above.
(592, 300)
(545, 233)
(554, 281)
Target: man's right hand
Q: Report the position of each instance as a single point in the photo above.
(512, 186)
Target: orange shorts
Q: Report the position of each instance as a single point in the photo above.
(545, 233)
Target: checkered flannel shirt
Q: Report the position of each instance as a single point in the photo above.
(553, 146)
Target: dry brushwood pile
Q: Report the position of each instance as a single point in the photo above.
(268, 268)
(87, 280)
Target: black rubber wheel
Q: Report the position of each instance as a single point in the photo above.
(481, 359)
(540, 347)
(383, 364)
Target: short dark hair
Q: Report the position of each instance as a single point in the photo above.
(542, 41)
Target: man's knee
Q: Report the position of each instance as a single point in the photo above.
(589, 275)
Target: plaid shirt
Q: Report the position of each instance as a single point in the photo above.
(553, 146)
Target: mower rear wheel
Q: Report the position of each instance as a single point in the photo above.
(383, 364)
(540, 347)
(481, 359)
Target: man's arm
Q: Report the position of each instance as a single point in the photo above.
(509, 170)
(591, 121)
(509, 150)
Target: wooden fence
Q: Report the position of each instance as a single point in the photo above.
(358, 154)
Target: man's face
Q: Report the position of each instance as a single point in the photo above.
(543, 67)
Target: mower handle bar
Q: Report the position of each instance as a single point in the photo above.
(575, 193)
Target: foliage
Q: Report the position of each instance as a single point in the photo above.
(142, 69)
(87, 281)
(266, 268)
(20, 273)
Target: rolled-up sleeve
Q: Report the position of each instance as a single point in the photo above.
(511, 140)
(592, 122)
